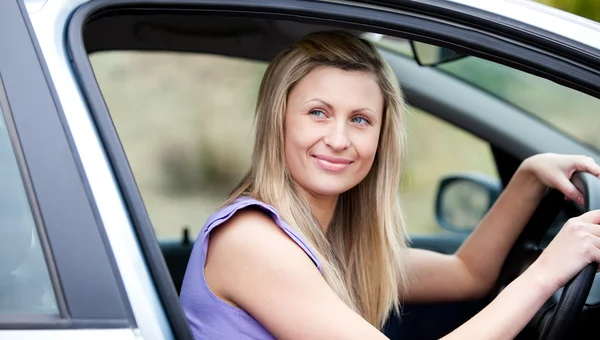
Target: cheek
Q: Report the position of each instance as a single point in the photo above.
(300, 137)
(367, 151)
(295, 146)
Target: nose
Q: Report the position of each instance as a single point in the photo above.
(337, 137)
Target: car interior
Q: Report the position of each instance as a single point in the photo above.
(504, 126)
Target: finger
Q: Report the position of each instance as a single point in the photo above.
(595, 240)
(569, 190)
(591, 217)
(588, 235)
(587, 227)
(587, 164)
(592, 241)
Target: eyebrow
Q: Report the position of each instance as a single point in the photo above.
(330, 107)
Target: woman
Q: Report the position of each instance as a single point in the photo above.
(311, 245)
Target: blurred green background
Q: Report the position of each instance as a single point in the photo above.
(586, 8)
(186, 123)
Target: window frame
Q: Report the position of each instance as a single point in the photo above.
(525, 55)
(6, 116)
(59, 198)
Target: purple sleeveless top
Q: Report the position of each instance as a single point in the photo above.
(211, 318)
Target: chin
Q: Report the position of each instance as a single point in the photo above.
(330, 189)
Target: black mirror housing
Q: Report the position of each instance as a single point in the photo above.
(432, 55)
(463, 199)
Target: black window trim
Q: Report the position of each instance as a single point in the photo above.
(480, 43)
(512, 29)
(490, 43)
(90, 294)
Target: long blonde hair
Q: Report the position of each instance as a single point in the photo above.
(362, 250)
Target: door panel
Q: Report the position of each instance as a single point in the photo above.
(445, 244)
(459, 36)
(85, 284)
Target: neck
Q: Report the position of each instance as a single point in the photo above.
(322, 208)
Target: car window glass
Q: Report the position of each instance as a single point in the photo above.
(568, 110)
(25, 286)
(186, 124)
(435, 151)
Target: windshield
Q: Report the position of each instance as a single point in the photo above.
(568, 110)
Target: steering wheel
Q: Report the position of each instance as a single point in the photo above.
(555, 320)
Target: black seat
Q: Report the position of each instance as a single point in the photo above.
(177, 254)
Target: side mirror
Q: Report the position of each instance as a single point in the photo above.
(432, 55)
(463, 199)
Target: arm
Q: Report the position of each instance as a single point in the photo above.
(467, 274)
(283, 290)
(272, 278)
(576, 245)
(509, 313)
(473, 269)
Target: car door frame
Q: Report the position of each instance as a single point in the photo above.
(494, 45)
(86, 285)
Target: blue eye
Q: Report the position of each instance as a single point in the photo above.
(317, 113)
(360, 120)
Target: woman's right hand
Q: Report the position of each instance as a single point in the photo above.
(575, 246)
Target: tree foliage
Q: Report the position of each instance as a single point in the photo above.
(585, 8)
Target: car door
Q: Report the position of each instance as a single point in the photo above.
(57, 277)
(162, 36)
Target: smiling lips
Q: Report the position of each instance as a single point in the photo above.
(331, 163)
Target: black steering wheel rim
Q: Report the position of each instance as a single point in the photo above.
(556, 319)
(564, 315)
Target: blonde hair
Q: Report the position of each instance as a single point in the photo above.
(362, 250)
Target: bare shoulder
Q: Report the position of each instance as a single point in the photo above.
(250, 247)
(249, 232)
(253, 264)
(246, 225)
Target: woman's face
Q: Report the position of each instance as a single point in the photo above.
(332, 126)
